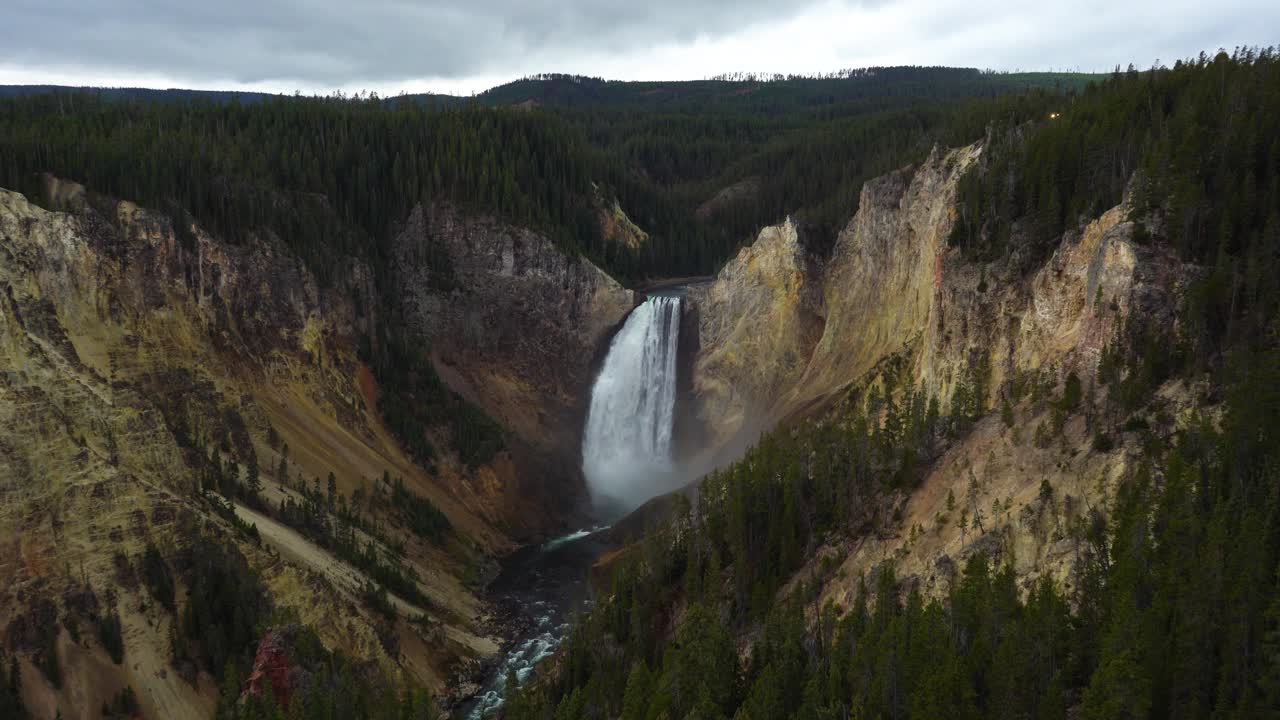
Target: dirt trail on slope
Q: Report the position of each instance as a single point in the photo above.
(295, 548)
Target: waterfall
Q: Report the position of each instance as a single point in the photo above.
(626, 457)
(626, 450)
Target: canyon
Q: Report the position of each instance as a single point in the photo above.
(134, 346)
(786, 336)
(893, 392)
(132, 342)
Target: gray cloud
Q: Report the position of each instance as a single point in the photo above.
(327, 42)
(320, 44)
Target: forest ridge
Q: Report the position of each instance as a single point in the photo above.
(1175, 611)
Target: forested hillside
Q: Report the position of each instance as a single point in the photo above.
(1174, 610)
(334, 176)
(331, 176)
(772, 94)
(799, 145)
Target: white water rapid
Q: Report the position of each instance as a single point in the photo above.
(626, 450)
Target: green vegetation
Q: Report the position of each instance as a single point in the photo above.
(1172, 612)
(344, 529)
(109, 634)
(1175, 613)
(335, 178)
(420, 514)
(765, 94)
(123, 705)
(11, 689)
(226, 612)
(1194, 144)
(809, 165)
(157, 577)
(337, 687)
(46, 659)
(331, 177)
(413, 399)
(226, 607)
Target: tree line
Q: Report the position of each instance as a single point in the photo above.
(1174, 609)
(334, 177)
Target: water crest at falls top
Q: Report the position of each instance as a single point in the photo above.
(626, 451)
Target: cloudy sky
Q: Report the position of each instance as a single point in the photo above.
(463, 46)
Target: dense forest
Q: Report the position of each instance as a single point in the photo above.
(1176, 613)
(770, 94)
(334, 177)
(1178, 610)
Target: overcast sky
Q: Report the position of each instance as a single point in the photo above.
(464, 46)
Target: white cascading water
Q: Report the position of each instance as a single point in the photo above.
(626, 456)
(626, 450)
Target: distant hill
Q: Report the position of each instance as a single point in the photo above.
(776, 93)
(137, 93)
(736, 92)
(661, 150)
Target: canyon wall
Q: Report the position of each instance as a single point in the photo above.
(781, 331)
(133, 348)
(515, 326)
(784, 335)
(515, 322)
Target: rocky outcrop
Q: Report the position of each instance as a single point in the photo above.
(1059, 319)
(276, 667)
(757, 325)
(515, 325)
(783, 335)
(782, 332)
(273, 668)
(134, 348)
(881, 284)
(617, 227)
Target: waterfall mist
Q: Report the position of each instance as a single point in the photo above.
(626, 450)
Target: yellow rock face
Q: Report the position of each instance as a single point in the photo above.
(124, 347)
(781, 333)
(783, 336)
(757, 326)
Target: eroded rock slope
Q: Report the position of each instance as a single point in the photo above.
(785, 335)
(133, 349)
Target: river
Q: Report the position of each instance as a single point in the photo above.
(626, 459)
(542, 587)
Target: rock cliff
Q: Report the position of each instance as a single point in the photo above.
(781, 331)
(783, 335)
(757, 325)
(133, 348)
(515, 326)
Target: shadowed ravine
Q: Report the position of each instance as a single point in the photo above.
(626, 460)
(540, 588)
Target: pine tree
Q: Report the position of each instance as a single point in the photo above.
(636, 698)
(252, 479)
